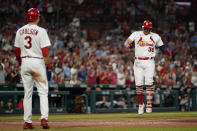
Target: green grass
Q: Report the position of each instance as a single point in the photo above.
(107, 115)
(121, 129)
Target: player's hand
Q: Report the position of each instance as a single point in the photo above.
(128, 46)
(47, 60)
(19, 59)
(168, 53)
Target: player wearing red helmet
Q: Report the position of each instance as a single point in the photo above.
(33, 14)
(147, 27)
(145, 42)
(147, 24)
(31, 50)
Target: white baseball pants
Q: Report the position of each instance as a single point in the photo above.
(144, 72)
(33, 71)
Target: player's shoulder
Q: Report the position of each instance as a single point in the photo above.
(155, 34)
(136, 32)
(41, 28)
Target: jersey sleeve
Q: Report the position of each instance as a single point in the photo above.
(159, 42)
(132, 36)
(17, 41)
(44, 39)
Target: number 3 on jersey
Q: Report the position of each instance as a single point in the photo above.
(29, 45)
(151, 49)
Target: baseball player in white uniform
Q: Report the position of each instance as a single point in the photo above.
(31, 51)
(144, 66)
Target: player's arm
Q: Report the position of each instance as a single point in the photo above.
(17, 53)
(45, 43)
(128, 43)
(45, 53)
(165, 50)
(162, 47)
(17, 50)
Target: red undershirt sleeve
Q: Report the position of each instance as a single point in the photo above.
(45, 51)
(17, 53)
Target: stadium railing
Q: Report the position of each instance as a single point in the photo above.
(59, 101)
(14, 97)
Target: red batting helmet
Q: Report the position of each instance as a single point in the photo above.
(32, 14)
(147, 24)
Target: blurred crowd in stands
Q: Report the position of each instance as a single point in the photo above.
(87, 40)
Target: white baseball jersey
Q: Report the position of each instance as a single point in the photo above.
(30, 39)
(145, 44)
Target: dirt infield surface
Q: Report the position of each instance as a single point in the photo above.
(171, 122)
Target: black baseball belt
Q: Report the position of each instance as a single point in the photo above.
(32, 57)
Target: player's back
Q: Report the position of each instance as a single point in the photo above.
(29, 39)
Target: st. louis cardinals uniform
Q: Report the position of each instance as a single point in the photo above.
(144, 65)
(31, 39)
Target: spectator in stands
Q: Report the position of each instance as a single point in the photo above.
(6, 45)
(66, 81)
(58, 43)
(88, 89)
(121, 76)
(189, 95)
(82, 74)
(79, 104)
(55, 98)
(180, 76)
(194, 78)
(20, 104)
(181, 92)
(194, 39)
(59, 70)
(92, 76)
(9, 105)
(66, 69)
(134, 101)
(49, 74)
(74, 70)
(104, 103)
(103, 76)
(184, 103)
(120, 103)
(168, 97)
(13, 77)
(181, 96)
(112, 77)
(130, 79)
(156, 98)
(3, 74)
(60, 79)
(74, 79)
(191, 26)
(1, 104)
(53, 76)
